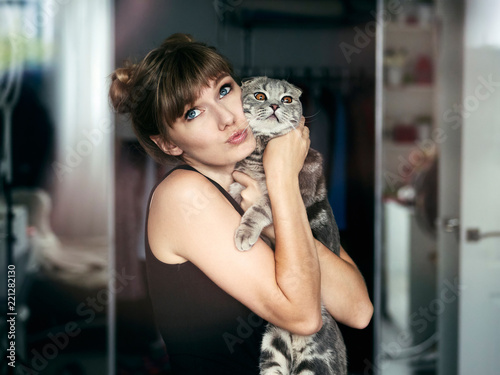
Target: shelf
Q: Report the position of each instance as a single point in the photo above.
(405, 103)
(410, 88)
(403, 146)
(415, 29)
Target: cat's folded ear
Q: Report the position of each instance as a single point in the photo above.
(296, 91)
(248, 80)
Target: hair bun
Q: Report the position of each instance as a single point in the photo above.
(123, 74)
(119, 90)
(179, 38)
(176, 41)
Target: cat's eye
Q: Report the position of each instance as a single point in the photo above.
(260, 96)
(224, 90)
(286, 99)
(192, 114)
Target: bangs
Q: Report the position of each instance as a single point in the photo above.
(186, 75)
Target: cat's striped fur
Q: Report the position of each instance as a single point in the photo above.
(273, 108)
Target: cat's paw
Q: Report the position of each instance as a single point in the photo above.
(245, 238)
(235, 190)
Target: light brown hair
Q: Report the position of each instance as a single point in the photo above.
(156, 91)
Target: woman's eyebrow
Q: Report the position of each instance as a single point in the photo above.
(220, 78)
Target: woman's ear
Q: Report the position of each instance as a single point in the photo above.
(167, 147)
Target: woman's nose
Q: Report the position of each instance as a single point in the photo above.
(227, 117)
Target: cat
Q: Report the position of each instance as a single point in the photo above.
(272, 108)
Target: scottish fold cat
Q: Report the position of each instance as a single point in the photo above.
(272, 108)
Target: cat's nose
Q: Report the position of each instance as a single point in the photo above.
(274, 107)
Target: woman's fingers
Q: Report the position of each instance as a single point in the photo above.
(305, 132)
(243, 178)
(304, 129)
(251, 192)
(286, 154)
(302, 122)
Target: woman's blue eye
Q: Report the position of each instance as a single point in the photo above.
(224, 90)
(192, 114)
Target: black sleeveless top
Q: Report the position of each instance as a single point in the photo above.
(206, 331)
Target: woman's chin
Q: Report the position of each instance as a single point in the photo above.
(249, 145)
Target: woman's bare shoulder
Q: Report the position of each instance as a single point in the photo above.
(181, 187)
(182, 202)
(181, 197)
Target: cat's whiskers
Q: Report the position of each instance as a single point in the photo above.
(246, 127)
(313, 115)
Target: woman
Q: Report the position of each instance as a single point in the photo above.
(211, 301)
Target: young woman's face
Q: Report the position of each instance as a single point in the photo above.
(214, 132)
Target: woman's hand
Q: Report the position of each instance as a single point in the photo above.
(251, 192)
(284, 156)
(249, 196)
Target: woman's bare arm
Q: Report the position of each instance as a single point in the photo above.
(199, 226)
(296, 257)
(343, 289)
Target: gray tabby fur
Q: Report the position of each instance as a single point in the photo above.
(282, 352)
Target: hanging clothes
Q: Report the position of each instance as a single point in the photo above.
(337, 191)
(318, 120)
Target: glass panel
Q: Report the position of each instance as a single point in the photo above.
(57, 184)
(407, 261)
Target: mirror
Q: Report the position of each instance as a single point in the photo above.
(57, 173)
(407, 187)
